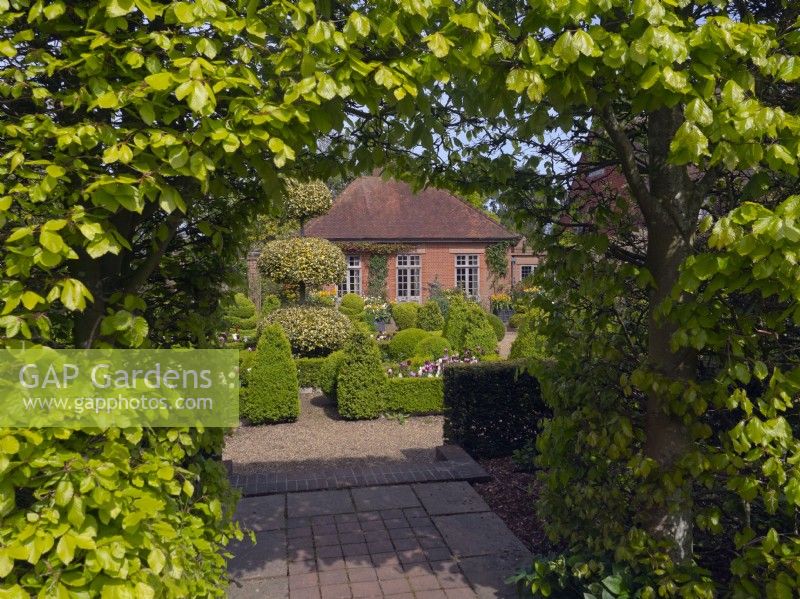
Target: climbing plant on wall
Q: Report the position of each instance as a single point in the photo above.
(378, 271)
(497, 260)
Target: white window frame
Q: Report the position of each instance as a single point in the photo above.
(522, 268)
(352, 278)
(409, 276)
(468, 274)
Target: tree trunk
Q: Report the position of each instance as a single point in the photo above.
(671, 213)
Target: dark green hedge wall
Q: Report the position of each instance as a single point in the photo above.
(491, 408)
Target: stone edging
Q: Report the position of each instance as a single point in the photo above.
(453, 464)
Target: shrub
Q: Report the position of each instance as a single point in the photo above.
(415, 395)
(302, 260)
(360, 385)
(309, 371)
(330, 372)
(431, 347)
(306, 199)
(241, 318)
(517, 319)
(273, 394)
(455, 321)
(430, 316)
(322, 298)
(467, 327)
(351, 304)
(313, 331)
(158, 498)
(491, 409)
(491, 358)
(498, 326)
(269, 303)
(529, 342)
(405, 315)
(404, 343)
(478, 334)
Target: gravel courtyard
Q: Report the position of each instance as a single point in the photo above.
(319, 440)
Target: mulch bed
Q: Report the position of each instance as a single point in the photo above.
(512, 495)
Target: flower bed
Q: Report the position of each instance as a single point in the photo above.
(430, 368)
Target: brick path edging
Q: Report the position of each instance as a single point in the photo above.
(453, 464)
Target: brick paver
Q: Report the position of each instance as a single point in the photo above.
(397, 541)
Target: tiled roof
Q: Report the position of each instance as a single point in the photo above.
(373, 209)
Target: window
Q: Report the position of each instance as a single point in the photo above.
(352, 280)
(527, 270)
(408, 277)
(467, 273)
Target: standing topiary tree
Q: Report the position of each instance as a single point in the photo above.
(361, 382)
(273, 393)
(240, 318)
(430, 316)
(306, 199)
(304, 262)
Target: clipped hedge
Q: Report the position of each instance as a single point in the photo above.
(432, 347)
(313, 331)
(352, 304)
(477, 335)
(417, 396)
(310, 371)
(491, 408)
(405, 315)
(361, 381)
(273, 394)
(429, 316)
(498, 326)
(330, 372)
(404, 343)
(529, 342)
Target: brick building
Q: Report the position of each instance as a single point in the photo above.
(425, 238)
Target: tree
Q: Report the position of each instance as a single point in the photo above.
(688, 102)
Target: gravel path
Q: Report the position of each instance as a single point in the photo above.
(505, 345)
(320, 440)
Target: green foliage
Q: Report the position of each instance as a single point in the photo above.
(273, 393)
(404, 343)
(498, 326)
(71, 500)
(313, 331)
(414, 395)
(467, 327)
(530, 343)
(497, 259)
(306, 199)
(430, 316)
(302, 261)
(352, 304)
(240, 318)
(491, 409)
(405, 314)
(269, 303)
(378, 271)
(310, 371)
(431, 347)
(361, 382)
(517, 320)
(329, 373)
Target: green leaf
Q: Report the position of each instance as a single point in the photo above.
(156, 560)
(184, 12)
(51, 241)
(65, 550)
(698, 112)
(108, 100)
(438, 44)
(159, 81)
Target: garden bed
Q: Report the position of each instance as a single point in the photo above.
(512, 495)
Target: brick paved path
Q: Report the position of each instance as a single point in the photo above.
(436, 540)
